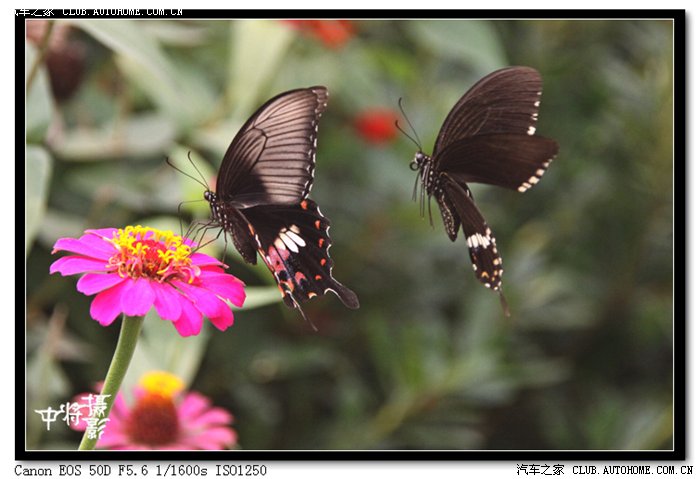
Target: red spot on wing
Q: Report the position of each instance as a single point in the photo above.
(299, 276)
(276, 259)
(318, 224)
(318, 277)
(320, 242)
(304, 205)
(323, 261)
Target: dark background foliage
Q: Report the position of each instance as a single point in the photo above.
(428, 361)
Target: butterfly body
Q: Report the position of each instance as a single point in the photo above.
(488, 137)
(261, 197)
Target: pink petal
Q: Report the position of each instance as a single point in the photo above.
(223, 320)
(212, 417)
(205, 301)
(189, 242)
(120, 410)
(190, 321)
(91, 248)
(192, 405)
(167, 301)
(107, 233)
(138, 297)
(201, 259)
(93, 283)
(76, 264)
(107, 305)
(226, 286)
(211, 268)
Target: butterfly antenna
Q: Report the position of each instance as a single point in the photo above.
(204, 180)
(170, 163)
(415, 139)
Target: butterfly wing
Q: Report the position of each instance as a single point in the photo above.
(505, 101)
(508, 160)
(272, 157)
(293, 241)
(486, 261)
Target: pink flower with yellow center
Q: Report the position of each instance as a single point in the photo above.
(162, 417)
(136, 268)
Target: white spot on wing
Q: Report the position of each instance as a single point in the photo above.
(296, 238)
(477, 240)
(279, 244)
(288, 242)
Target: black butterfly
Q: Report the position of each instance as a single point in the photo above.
(488, 137)
(261, 197)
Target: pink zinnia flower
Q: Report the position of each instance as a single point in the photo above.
(135, 268)
(163, 417)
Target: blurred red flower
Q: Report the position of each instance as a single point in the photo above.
(377, 125)
(333, 33)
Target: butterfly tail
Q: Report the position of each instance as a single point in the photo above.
(486, 261)
(504, 304)
(346, 295)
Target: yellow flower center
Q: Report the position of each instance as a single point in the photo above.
(145, 252)
(161, 383)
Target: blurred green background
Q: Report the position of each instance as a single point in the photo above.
(428, 361)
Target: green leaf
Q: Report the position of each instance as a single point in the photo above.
(141, 136)
(59, 224)
(176, 33)
(187, 100)
(161, 348)
(142, 59)
(39, 100)
(257, 296)
(474, 42)
(39, 164)
(256, 49)
(127, 39)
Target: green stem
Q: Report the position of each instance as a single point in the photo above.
(126, 344)
(43, 50)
